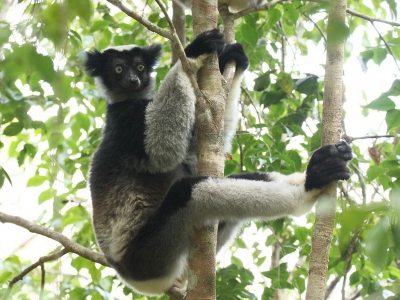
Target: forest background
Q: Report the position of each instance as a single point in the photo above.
(52, 115)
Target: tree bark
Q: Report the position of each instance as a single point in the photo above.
(179, 21)
(331, 129)
(210, 108)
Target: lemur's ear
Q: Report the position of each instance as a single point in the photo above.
(93, 62)
(151, 55)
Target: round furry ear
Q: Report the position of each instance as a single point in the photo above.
(151, 54)
(92, 61)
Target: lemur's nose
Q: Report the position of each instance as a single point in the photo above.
(134, 80)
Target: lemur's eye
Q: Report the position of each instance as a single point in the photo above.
(140, 68)
(118, 69)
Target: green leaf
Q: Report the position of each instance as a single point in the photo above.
(307, 85)
(373, 172)
(97, 25)
(274, 16)
(262, 81)
(13, 129)
(5, 33)
(249, 34)
(285, 82)
(271, 97)
(394, 89)
(36, 181)
(291, 12)
(46, 195)
(55, 23)
(392, 118)
(83, 121)
(80, 8)
(381, 104)
(377, 243)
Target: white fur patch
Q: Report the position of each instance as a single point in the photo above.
(121, 48)
(157, 287)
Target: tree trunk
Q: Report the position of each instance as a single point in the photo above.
(331, 129)
(210, 108)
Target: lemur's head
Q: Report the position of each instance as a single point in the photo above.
(124, 72)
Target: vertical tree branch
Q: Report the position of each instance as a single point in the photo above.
(331, 129)
(179, 21)
(210, 108)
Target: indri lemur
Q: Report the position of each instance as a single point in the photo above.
(146, 196)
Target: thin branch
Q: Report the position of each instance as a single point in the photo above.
(316, 26)
(40, 262)
(69, 245)
(360, 15)
(42, 281)
(361, 181)
(150, 26)
(252, 103)
(350, 139)
(259, 8)
(350, 251)
(331, 287)
(368, 18)
(386, 44)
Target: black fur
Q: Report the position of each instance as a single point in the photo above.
(146, 203)
(206, 43)
(258, 176)
(122, 146)
(233, 52)
(327, 164)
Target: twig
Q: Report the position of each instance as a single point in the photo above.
(331, 286)
(350, 139)
(140, 19)
(386, 44)
(43, 280)
(252, 103)
(348, 260)
(360, 15)
(40, 262)
(368, 18)
(362, 182)
(69, 245)
(259, 8)
(316, 26)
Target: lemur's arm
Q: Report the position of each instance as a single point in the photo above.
(170, 116)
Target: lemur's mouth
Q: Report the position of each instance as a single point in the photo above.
(135, 82)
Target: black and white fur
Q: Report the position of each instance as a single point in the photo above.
(234, 5)
(146, 197)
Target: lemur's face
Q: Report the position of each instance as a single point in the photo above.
(123, 71)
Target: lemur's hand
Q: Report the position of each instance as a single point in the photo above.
(206, 43)
(233, 52)
(327, 164)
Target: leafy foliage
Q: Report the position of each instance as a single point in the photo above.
(51, 117)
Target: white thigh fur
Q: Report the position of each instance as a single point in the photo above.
(239, 199)
(231, 111)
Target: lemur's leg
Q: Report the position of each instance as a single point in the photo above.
(157, 255)
(232, 52)
(170, 116)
